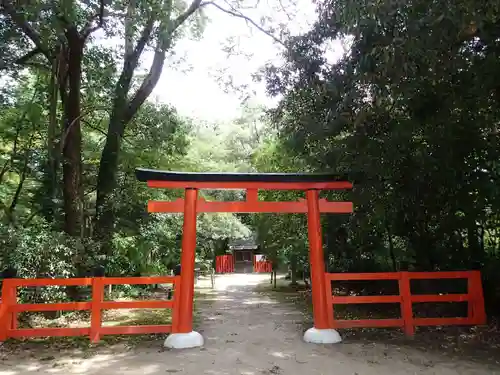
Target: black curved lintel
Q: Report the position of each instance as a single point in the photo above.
(144, 175)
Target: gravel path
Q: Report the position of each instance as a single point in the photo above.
(246, 334)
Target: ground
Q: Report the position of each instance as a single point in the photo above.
(247, 333)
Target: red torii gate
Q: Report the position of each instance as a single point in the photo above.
(191, 205)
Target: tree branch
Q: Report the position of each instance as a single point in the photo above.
(143, 40)
(22, 178)
(19, 125)
(164, 42)
(96, 128)
(147, 85)
(131, 59)
(280, 2)
(24, 60)
(104, 133)
(132, 55)
(34, 64)
(28, 56)
(88, 29)
(21, 22)
(65, 133)
(238, 14)
(129, 31)
(195, 5)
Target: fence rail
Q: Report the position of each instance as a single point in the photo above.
(224, 263)
(262, 266)
(474, 297)
(10, 307)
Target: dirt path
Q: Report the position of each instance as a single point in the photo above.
(246, 334)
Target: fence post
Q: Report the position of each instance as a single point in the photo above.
(6, 316)
(476, 311)
(13, 301)
(11, 274)
(175, 310)
(328, 296)
(96, 316)
(406, 304)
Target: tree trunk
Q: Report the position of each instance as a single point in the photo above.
(124, 109)
(71, 145)
(13, 154)
(293, 270)
(22, 179)
(108, 165)
(391, 247)
(50, 181)
(72, 137)
(106, 183)
(476, 247)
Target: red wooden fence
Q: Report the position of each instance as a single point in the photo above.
(10, 308)
(262, 266)
(476, 313)
(224, 264)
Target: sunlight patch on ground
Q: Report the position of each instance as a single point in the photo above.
(224, 282)
(280, 355)
(259, 302)
(218, 299)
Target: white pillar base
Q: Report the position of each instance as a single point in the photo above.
(322, 336)
(184, 340)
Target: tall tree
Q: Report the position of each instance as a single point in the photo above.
(159, 27)
(58, 32)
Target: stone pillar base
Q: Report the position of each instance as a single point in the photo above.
(322, 336)
(184, 340)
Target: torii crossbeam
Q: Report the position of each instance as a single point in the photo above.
(191, 205)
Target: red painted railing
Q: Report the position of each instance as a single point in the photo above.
(224, 264)
(10, 308)
(476, 314)
(262, 266)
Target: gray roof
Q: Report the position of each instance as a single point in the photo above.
(243, 243)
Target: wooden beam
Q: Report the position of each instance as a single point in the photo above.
(299, 206)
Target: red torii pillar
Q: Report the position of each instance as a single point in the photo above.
(183, 335)
(188, 254)
(321, 333)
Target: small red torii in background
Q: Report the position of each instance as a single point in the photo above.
(183, 336)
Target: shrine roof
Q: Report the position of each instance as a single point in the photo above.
(144, 175)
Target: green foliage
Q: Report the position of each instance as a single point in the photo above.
(143, 243)
(283, 238)
(412, 105)
(37, 251)
(75, 121)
